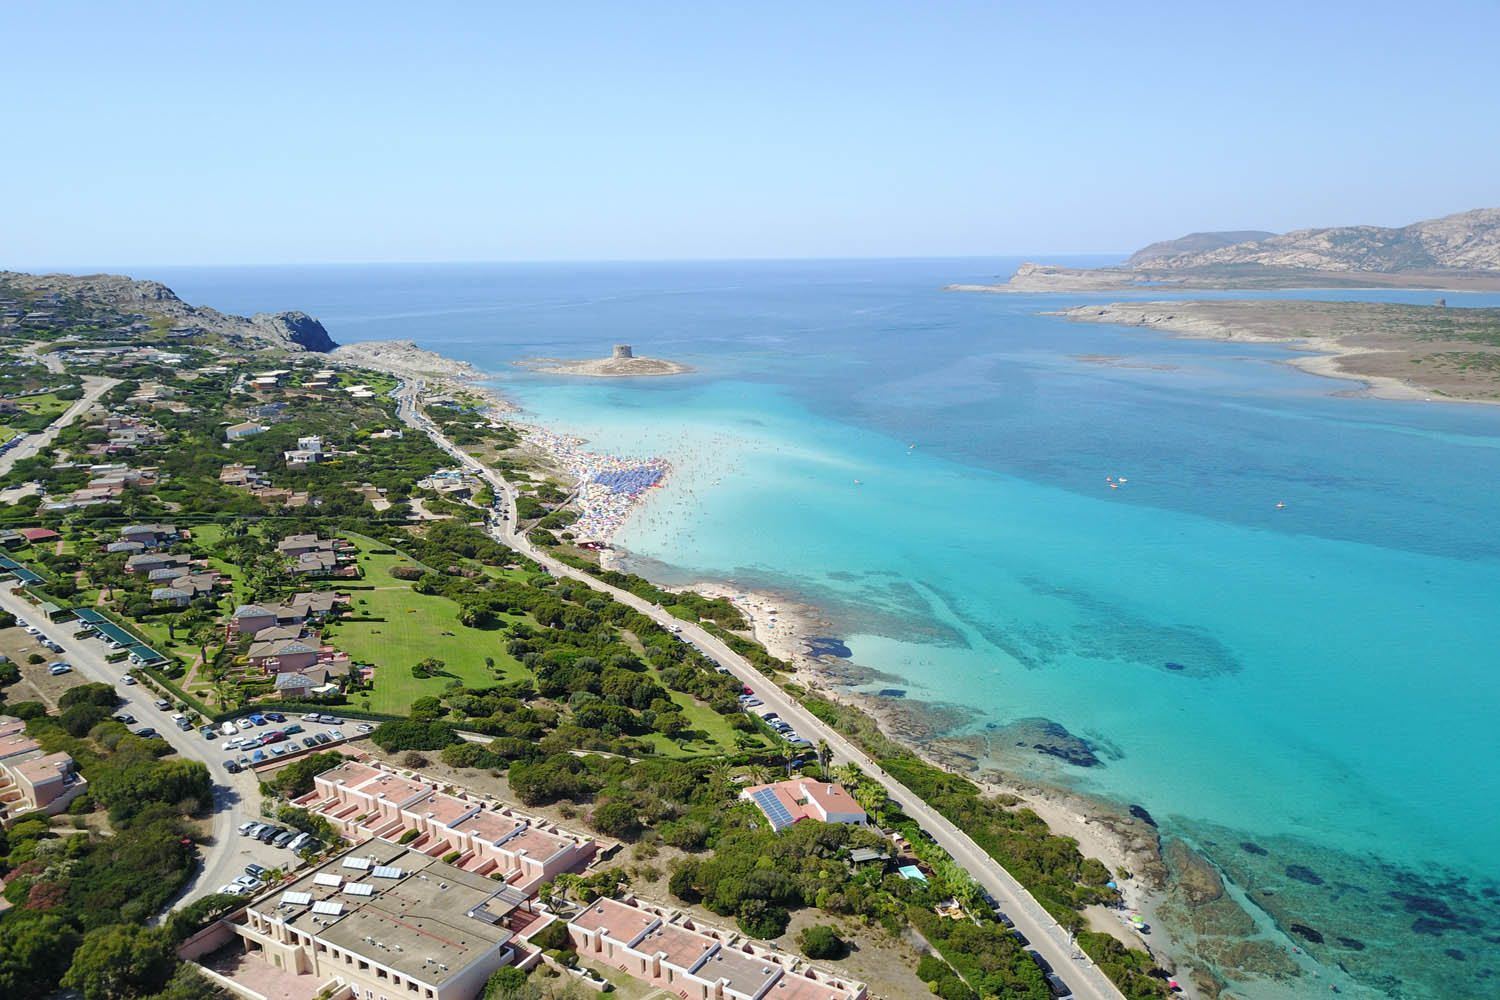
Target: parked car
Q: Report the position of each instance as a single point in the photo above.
(309, 742)
(162, 704)
(310, 717)
(228, 729)
(128, 680)
(336, 734)
(1039, 960)
(275, 716)
(256, 871)
(1020, 938)
(322, 738)
(250, 882)
(274, 736)
(146, 732)
(365, 727)
(258, 720)
(183, 724)
(297, 842)
(232, 767)
(269, 834)
(124, 717)
(234, 889)
(258, 757)
(58, 669)
(230, 745)
(330, 720)
(292, 730)
(1060, 989)
(242, 760)
(245, 827)
(209, 732)
(245, 725)
(277, 751)
(283, 838)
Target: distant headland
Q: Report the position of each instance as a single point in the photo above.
(1456, 253)
(621, 363)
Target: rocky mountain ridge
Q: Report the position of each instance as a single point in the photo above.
(291, 330)
(1467, 241)
(1194, 243)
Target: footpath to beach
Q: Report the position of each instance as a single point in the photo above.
(1047, 936)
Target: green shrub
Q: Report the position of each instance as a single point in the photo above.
(821, 941)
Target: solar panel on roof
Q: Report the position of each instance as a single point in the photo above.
(359, 889)
(331, 909)
(772, 807)
(386, 871)
(323, 878)
(362, 864)
(296, 898)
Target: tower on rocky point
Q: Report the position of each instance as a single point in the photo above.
(623, 351)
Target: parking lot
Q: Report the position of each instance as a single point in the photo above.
(264, 738)
(37, 682)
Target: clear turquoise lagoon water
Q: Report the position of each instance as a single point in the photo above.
(1333, 699)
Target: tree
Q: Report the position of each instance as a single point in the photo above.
(121, 962)
(821, 941)
(428, 668)
(34, 954)
(616, 819)
(509, 983)
(187, 984)
(823, 756)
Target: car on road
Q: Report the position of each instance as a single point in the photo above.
(309, 742)
(162, 704)
(128, 680)
(322, 737)
(232, 767)
(256, 871)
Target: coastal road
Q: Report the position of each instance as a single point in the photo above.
(1046, 935)
(94, 386)
(235, 795)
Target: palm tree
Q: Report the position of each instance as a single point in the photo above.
(848, 774)
(823, 755)
(759, 774)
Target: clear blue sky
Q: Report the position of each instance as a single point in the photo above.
(204, 132)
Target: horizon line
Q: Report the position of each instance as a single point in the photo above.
(79, 269)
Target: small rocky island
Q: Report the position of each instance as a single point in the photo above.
(621, 363)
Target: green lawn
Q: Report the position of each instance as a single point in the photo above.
(46, 404)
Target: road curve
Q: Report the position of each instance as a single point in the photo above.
(220, 859)
(1047, 936)
(94, 386)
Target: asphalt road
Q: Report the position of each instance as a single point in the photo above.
(1046, 935)
(93, 387)
(236, 796)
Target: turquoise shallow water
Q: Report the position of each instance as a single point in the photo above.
(1336, 698)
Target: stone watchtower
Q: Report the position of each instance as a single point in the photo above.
(623, 351)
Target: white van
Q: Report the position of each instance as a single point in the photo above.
(228, 729)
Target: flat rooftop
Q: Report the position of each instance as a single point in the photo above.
(418, 922)
(619, 921)
(536, 843)
(793, 986)
(441, 807)
(745, 974)
(392, 786)
(488, 826)
(680, 946)
(352, 773)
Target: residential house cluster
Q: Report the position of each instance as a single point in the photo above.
(258, 485)
(31, 778)
(311, 556)
(309, 451)
(126, 433)
(107, 483)
(672, 952)
(176, 579)
(454, 484)
(287, 642)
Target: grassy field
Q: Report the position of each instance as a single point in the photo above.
(46, 404)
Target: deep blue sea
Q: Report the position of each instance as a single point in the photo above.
(1332, 696)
